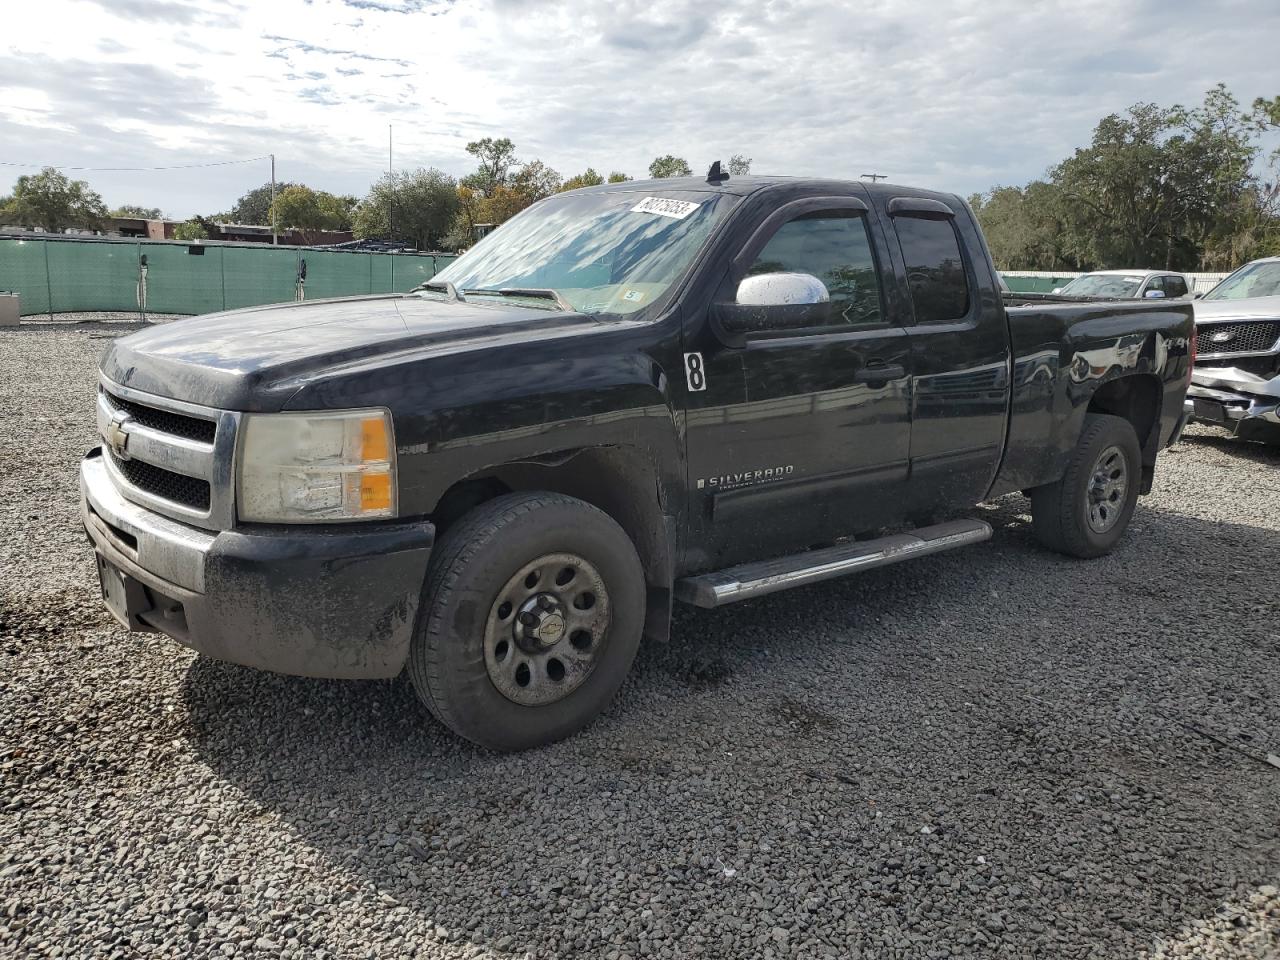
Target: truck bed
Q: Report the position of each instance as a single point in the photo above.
(1066, 348)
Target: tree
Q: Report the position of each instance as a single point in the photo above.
(498, 190)
(425, 203)
(1149, 188)
(339, 209)
(1163, 187)
(130, 210)
(1023, 226)
(51, 200)
(588, 178)
(618, 177)
(300, 206)
(193, 229)
(669, 166)
(496, 157)
(255, 206)
(535, 181)
(739, 166)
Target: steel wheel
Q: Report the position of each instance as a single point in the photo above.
(547, 629)
(1108, 487)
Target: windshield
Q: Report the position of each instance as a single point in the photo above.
(1103, 285)
(614, 252)
(1252, 280)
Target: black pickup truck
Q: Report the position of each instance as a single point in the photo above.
(687, 389)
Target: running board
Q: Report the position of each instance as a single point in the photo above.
(769, 576)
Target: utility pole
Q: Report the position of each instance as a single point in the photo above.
(273, 200)
(875, 177)
(391, 190)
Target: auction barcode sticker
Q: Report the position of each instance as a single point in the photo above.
(676, 209)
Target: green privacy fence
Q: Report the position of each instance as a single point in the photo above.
(59, 276)
(1038, 283)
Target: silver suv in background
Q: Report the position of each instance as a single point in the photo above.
(1236, 383)
(1129, 285)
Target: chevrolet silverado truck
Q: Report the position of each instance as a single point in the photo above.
(1236, 384)
(627, 396)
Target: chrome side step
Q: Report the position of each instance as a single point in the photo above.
(769, 576)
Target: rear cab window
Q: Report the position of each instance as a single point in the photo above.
(936, 274)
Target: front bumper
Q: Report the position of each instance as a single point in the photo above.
(316, 602)
(1236, 401)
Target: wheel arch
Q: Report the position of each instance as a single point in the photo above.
(1136, 398)
(617, 479)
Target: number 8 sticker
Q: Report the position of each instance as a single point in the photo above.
(694, 373)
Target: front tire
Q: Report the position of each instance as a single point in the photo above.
(1086, 512)
(532, 614)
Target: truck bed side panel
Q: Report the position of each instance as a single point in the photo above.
(1063, 353)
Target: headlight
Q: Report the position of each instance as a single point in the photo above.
(317, 467)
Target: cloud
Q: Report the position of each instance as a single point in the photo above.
(941, 93)
(183, 12)
(288, 44)
(657, 35)
(432, 7)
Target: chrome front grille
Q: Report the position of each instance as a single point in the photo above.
(188, 491)
(1237, 337)
(170, 456)
(164, 421)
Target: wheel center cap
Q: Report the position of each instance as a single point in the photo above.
(540, 623)
(551, 629)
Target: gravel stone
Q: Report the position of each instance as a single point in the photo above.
(991, 752)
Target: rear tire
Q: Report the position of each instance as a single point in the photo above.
(1086, 512)
(531, 616)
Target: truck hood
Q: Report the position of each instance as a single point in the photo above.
(1246, 309)
(256, 358)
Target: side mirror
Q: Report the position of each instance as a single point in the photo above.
(1153, 295)
(1197, 296)
(1057, 289)
(772, 302)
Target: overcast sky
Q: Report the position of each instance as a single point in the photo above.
(951, 95)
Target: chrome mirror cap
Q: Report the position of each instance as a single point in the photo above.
(781, 290)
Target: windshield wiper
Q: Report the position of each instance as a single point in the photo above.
(536, 293)
(443, 286)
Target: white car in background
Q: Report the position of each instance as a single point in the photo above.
(1130, 285)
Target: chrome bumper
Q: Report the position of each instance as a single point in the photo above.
(1219, 400)
(314, 602)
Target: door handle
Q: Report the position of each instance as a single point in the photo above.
(877, 372)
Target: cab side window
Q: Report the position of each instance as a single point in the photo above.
(833, 246)
(1175, 286)
(935, 268)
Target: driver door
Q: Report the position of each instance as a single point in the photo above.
(800, 436)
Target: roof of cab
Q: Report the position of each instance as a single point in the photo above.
(743, 185)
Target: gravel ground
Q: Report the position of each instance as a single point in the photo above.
(993, 752)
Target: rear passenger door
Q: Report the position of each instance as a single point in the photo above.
(959, 356)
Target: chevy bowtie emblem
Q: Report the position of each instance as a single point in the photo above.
(116, 438)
